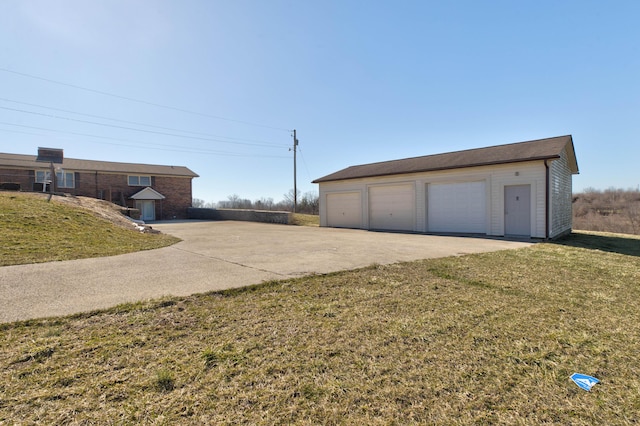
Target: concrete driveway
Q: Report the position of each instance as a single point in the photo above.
(213, 256)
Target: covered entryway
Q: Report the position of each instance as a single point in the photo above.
(457, 207)
(392, 207)
(344, 210)
(146, 202)
(517, 210)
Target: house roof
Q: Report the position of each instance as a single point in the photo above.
(541, 149)
(29, 162)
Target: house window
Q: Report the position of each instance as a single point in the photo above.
(63, 179)
(135, 180)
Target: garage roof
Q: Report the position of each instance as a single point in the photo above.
(540, 149)
(29, 162)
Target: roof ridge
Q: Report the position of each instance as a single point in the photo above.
(460, 151)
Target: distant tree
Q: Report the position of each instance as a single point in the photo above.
(309, 203)
(289, 198)
(633, 214)
(245, 203)
(197, 202)
(263, 204)
(611, 210)
(234, 201)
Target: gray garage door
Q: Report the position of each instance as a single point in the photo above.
(457, 207)
(344, 210)
(392, 207)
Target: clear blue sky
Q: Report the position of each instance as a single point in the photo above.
(361, 81)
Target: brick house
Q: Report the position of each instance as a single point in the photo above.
(159, 192)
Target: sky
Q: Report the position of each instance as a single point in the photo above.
(219, 85)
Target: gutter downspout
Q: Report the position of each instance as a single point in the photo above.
(546, 197)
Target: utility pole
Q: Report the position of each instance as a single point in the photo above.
(295, 185)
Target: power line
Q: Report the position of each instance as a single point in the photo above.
(100, 92)
(305, 164)
(24, 133)
(155, 146)
(136, 130)
(136, 122)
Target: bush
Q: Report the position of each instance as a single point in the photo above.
(8, 186)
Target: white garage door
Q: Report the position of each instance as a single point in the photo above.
(344, 210)
(457, 207)
(392, 207)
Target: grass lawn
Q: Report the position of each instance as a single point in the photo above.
(477, 339)
(33, 230)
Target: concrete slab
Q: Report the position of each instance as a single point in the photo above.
(213, 256)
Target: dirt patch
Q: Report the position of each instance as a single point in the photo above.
(101, 208)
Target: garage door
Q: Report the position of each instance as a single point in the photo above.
(392, 207)
(457, 207)
(344, 210)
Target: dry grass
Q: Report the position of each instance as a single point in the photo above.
(479, 339)
(33, 230)
(305, 219)
(604, 241)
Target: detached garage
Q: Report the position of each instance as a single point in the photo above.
(519, 189)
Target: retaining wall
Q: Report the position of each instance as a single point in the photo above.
(264, 216)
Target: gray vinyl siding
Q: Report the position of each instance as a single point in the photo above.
(531, 173)
(560, 196)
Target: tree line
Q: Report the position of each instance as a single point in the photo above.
(610, 210)
(307, 203)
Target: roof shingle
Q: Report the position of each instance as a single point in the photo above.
(541, 149)
(29, 162)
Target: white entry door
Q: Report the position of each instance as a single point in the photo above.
(457, 207)
(147, 209)
(517, 210)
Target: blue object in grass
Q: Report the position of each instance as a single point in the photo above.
(584, 381)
